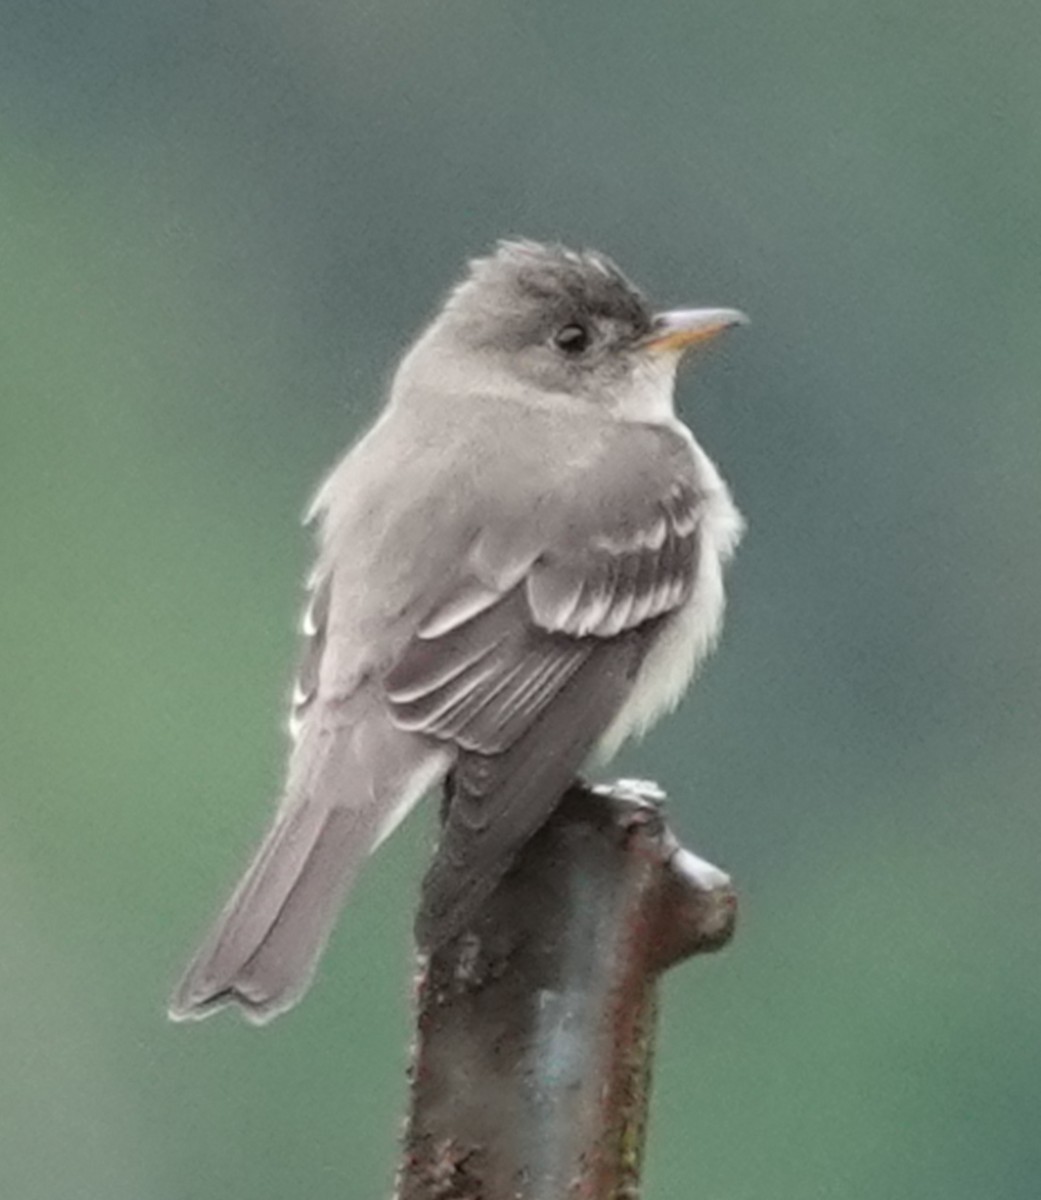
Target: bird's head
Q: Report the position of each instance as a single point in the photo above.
(560, 322)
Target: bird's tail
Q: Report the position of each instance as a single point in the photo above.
(347, 789)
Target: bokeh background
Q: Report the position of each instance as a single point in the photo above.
(219, 222)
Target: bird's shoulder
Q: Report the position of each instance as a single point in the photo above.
(563, 484)
(493, 456)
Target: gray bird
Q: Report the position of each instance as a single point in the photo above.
(519, 566)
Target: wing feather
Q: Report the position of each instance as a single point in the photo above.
(620, 584)
(510, 669)
(499, 801)
(479, 672)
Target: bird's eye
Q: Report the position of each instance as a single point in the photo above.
(572, 339)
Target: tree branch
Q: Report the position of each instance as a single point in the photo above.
(531, 1068)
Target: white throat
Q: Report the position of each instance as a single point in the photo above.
(649, 395)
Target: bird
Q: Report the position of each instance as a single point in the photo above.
(519, 566)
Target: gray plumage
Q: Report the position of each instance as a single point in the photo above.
(518, 565)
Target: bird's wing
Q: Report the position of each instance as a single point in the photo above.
(526, 662)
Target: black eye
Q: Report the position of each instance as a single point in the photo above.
(572, 339)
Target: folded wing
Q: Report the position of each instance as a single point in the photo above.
(523, 678)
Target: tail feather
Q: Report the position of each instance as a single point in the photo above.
(345, 787)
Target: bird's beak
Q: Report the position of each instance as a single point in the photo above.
(684, 327)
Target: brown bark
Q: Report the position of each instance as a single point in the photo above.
(531, 1071)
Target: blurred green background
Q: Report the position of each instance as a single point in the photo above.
(219, 222)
